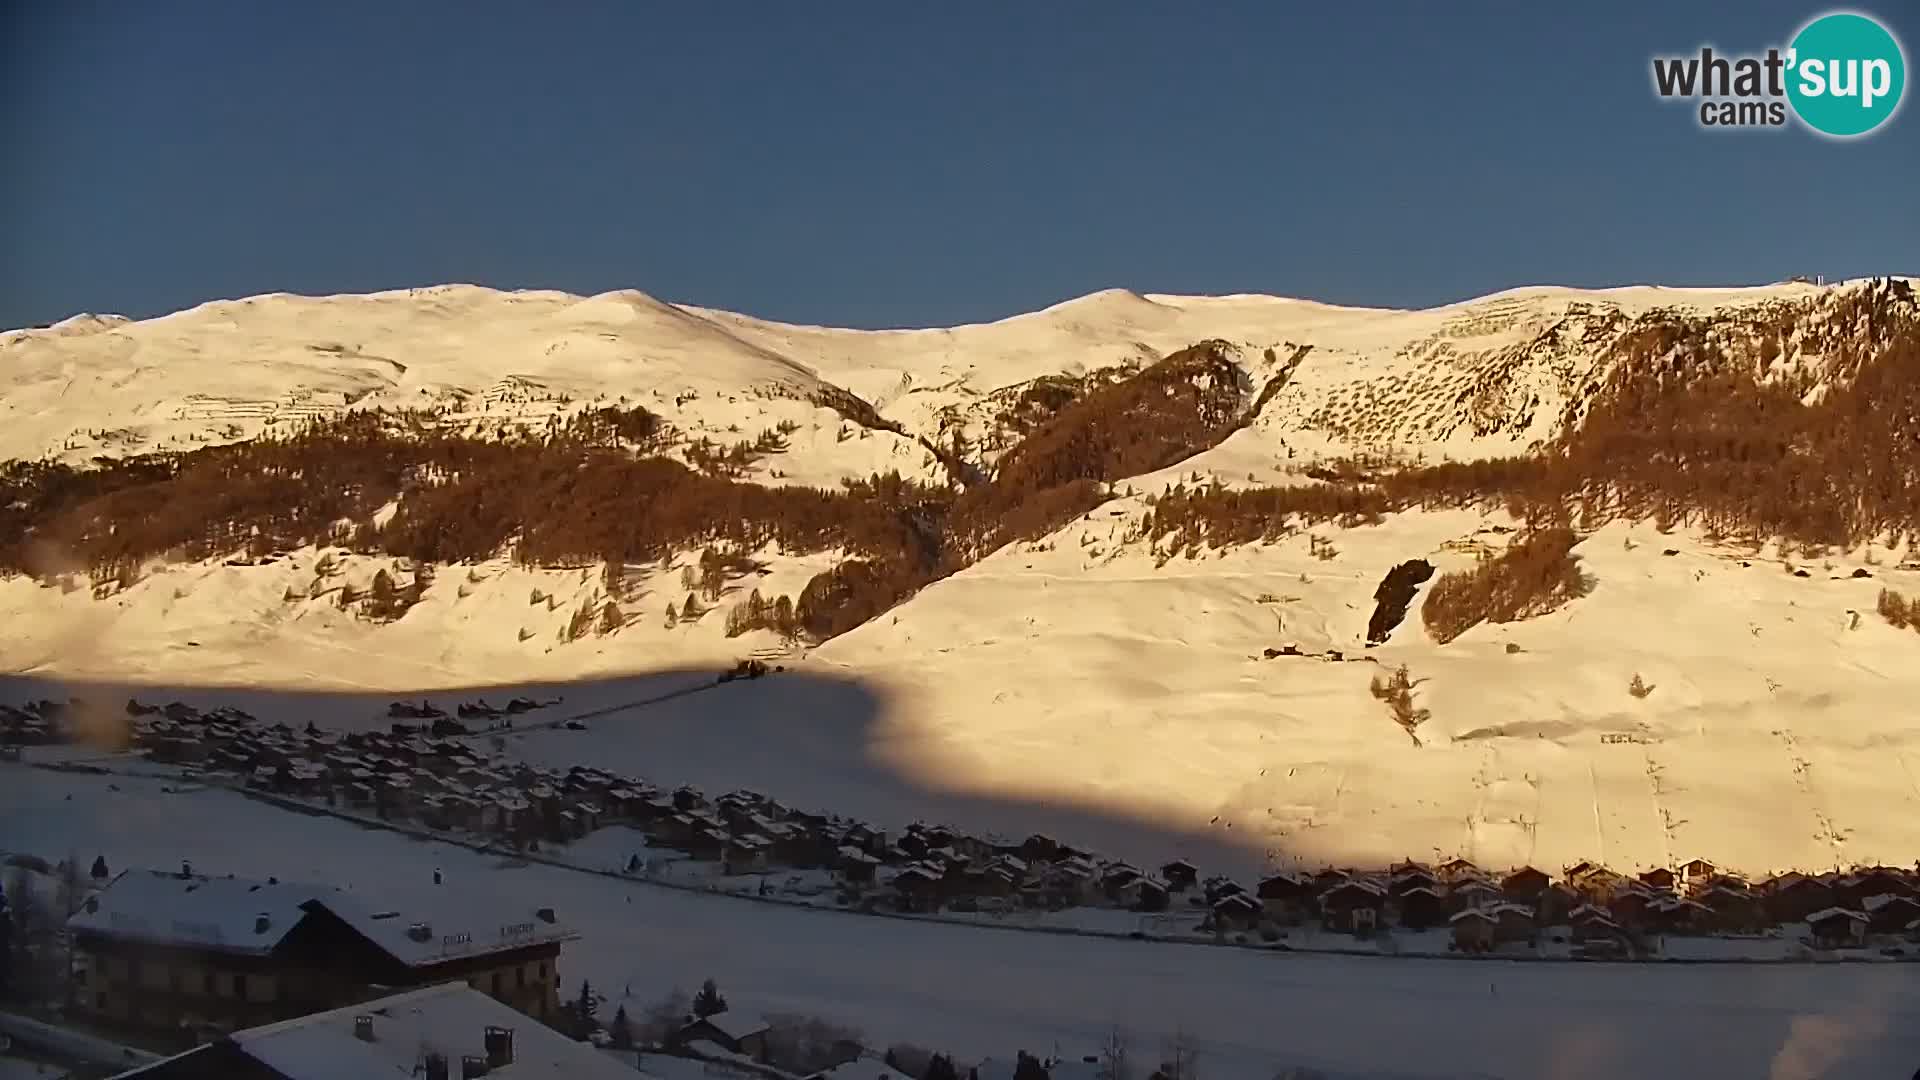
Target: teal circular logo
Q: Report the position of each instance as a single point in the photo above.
(1845, 74)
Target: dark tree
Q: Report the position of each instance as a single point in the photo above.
(940, 1067)
(622, 1030)
(709, 1002)
(381, 596)
(586, 1007)
(1028, 1067)
(99, 871)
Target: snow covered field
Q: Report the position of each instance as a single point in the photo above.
(982, 992)
(1084, 692)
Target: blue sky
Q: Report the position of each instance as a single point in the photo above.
(897, 163)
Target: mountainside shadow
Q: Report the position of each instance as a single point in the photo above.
(813, 741)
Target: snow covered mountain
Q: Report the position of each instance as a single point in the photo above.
(1693, 698)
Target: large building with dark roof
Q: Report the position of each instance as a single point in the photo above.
(163, 951)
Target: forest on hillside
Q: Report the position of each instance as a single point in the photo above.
(1686, 430)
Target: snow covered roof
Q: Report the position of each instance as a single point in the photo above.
(1875, 903)
(451, 1019)
(240, 915)
(458, 926)
(860, 1070)
(1477, 914)
(1825, 914)
(229, 914)
(736, 1025)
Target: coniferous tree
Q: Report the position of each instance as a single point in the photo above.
(586, 1007)
(622, 1030)
(709, 1001)
(380, 596)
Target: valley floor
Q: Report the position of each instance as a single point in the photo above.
(977, 991)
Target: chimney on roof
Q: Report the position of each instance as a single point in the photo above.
(93, 904)
(499, 1044)
(545, 914)
(363, 1027)
(420, 932)
(261, 922)
(186, 869)
(472, 1068)
(436, 877)
(433, 1066)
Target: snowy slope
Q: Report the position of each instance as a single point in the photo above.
(1077, 674)
(233, 368)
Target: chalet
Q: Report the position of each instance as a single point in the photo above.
(1677, 915)
(1471, 893)
(1413, 877)
(746, 853)
(1890, 913)
(438, 1032)
(1236, 912)
(1217, 887)
(1513, 923)
(1838, 928)
(1553, 904)
(1456, 868)
(1695, 872)
(707, 843)
(1523, 886)
(157, 950)
(1596, 884)
(1146, 894)
(1734, 911)
(1421, 907)
(1853, 889)
(1472, 930)
(995, 880)
(1117, 877)
(1353, 907)
(854, 866)
(917, 888)
(1792, 897)
(1285, 888)
(1629, 903)
(1180, 875)
(1329, 878)
(1590, 920)
(734, 1032)
(1658, 878)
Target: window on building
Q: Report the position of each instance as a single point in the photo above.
(496, 980)
(240, 986)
